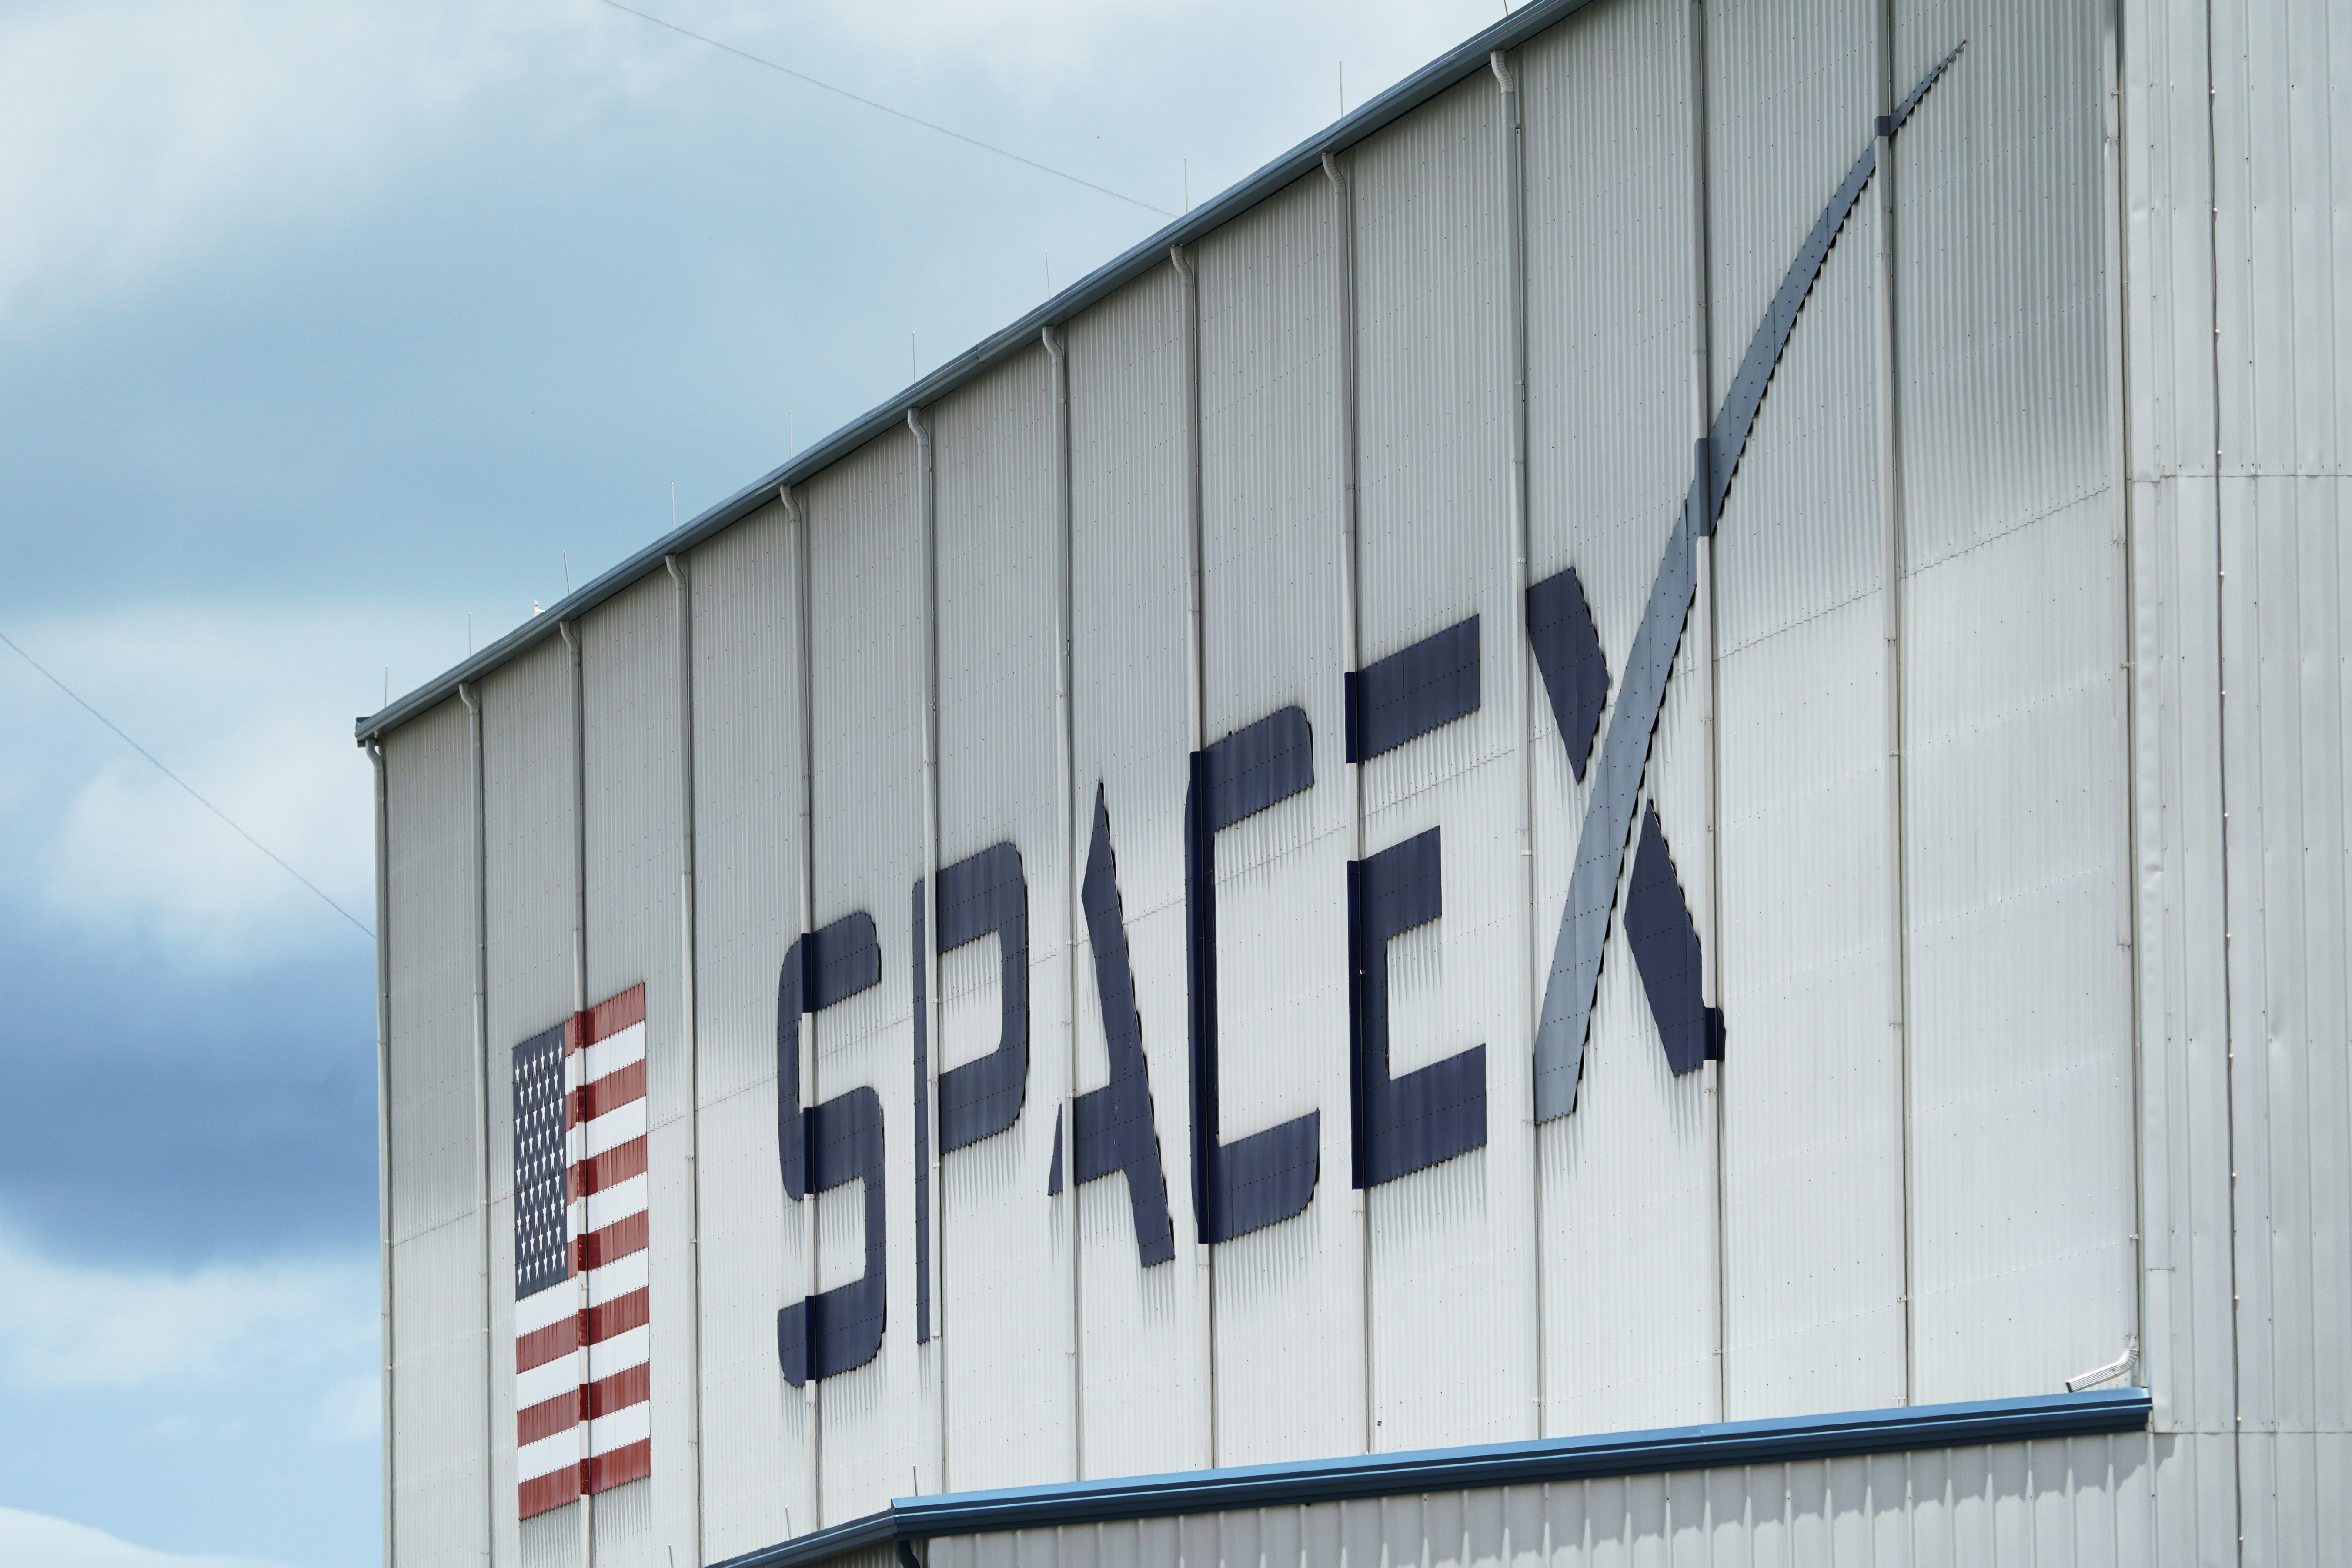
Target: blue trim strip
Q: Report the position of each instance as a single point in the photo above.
(1773, 1442)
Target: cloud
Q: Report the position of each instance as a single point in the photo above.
(66, 1326)
(253, 709)
(141, 132)
(60, 1543)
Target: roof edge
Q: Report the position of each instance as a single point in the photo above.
(1784, 1440)
(1448, 70)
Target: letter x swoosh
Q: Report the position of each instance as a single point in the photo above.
(1566, 1016)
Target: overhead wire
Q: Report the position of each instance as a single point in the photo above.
(886, 108)
(183, 783)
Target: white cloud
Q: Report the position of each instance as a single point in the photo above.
(136, 133)
(253, 709)
(36, 1538)
(66, 1326)
(139, 135)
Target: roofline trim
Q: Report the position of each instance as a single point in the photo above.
(1785, 1440)
(1447, 72)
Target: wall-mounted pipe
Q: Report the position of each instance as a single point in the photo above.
(1188, 278)
(926, 500)
(1515, 625)
(1065, 771)
(570, 631)
(804, 713)
(1890, 504)
(470, 694)
(689, 1021)
(1351, 772)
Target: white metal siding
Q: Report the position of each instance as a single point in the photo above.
(637, 933)
(1453, 1248)
(2282, 153)
(747, 780)
(439, 1404)
(1813, 1220)
(527, 873)
(1629, 1293)
(2189, 1282)
(1289, 1347)
(2015, 748)
(1143, 1329)
(865, 577)
(1002, 1262)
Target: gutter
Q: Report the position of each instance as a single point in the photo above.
(1903, 1429)
(1449, 70)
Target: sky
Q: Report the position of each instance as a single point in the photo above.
(333, 336)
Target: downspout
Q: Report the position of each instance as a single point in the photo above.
(1890, 500)
(926, 500)
(2119, 444)
(1515, 618)
(470, 694)
(1351, 772)
(1711, 950)
(691, 1022)
(384, 1120)
(805, 702)
(1188, 278)
(1066, 745)
(570, 632)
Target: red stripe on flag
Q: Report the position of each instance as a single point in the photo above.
(618, 1239)
(575, 1032)
(619, 1315)
(609, 1169)
(633, 1462)
(540, 1346)
(610, 1018)
(610, 1092)
(548, 1417)
(551, 1490)
(630, 1385)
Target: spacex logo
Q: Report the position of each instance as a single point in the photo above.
(1246, 1179)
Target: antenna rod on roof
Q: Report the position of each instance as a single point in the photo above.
(567, 573)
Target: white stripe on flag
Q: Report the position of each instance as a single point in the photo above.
(610, 1130)
(546, 1308)
(622, 1352)
(619, 1278)
(548, 1455)
(610, 1055)
(598, 1210)
(621, 1428)
(543, 1382)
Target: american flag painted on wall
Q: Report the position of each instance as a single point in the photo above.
(582, 1336)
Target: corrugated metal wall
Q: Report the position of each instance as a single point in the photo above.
(2016, 750)
(438, 1424)
(747, 864)
(1002, 1274)
(1813, 1178)
(866, 641)
(1630, 1175)
(529, 844)
(2068, 1504)
(2086, 686)
(1289, 1299)
(1452, 1357)
(1144, 1331)
(637, 934)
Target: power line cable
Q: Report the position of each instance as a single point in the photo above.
(900, 114)
(185, 784)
